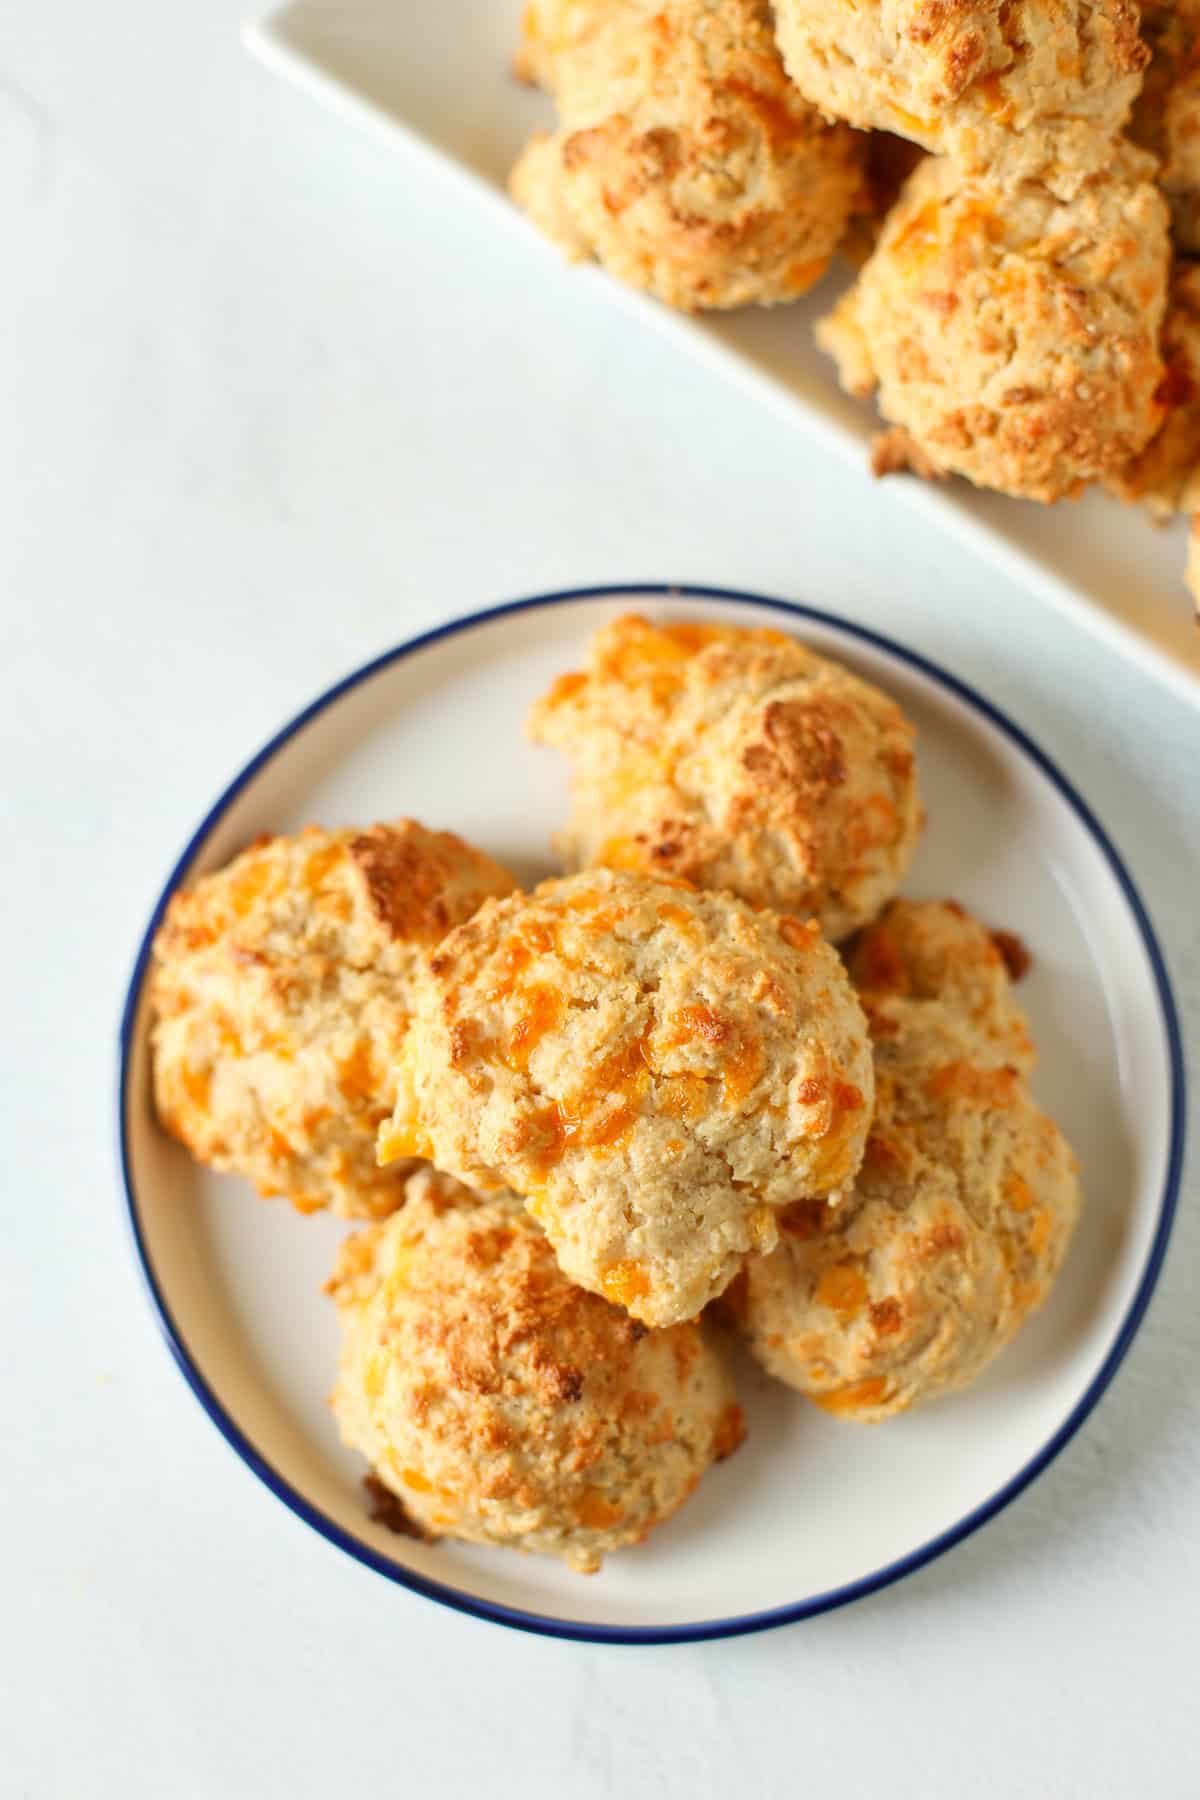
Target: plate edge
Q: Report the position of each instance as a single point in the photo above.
(876, 1580)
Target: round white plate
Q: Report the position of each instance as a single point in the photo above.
(811, 1512)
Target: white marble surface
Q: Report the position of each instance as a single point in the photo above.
(268, 402)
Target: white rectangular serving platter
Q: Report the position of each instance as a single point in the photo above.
(437, 81)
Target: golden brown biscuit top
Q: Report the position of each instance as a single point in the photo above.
(510, 979)
(498, 1403)
(963, 1208)
(1014, 335)
(738, 759)
(685, 160)
(951, 227)
(709, 67)
(1011, 89)
(935, 950)
(653, 1068)
(281, 988)
(657, 662)
(469, 1302)
(482, 1293)
(391, 884)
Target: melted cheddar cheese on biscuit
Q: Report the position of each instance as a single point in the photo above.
(499, 1404)
(656, 1070)
(963, 1209)
(282, 986)
(736, 759)
(1010, 335)
(1016, 90)
(684, 160)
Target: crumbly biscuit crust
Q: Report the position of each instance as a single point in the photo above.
(656, 1070)
(740, 760)
(935, 950)
(1011, 90)
(963, 1210)
(281, 988)
(1014, 337)
(500, 1404)
(685, 161)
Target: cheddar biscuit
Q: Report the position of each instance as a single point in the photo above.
(657, 1071)
(935, 950)
(501, 1405)
(684, 160)
(736, 759)
(1011, 89)
(1012, 337)
(281, 990)
(955, 1231)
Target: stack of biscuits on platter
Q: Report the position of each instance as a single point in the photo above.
(716, 1079)
(1028, 311)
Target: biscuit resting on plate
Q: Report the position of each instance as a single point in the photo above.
(963, 1210)
(281, 990)
(657, 1071)
(1010, 89)
(934, 950)
(684, 160)
(1012, 337)
(736, 759)
(499, 1404)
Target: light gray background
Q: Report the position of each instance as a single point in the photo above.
(269, 401)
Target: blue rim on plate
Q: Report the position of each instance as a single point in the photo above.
(819, 1603)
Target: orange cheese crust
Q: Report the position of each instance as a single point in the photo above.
(684, 160)
(962, 1213)
(655, 1069)
(281, 989)
(498, 1403)
(1011, 90)
(736, 759)
(1011, 335)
